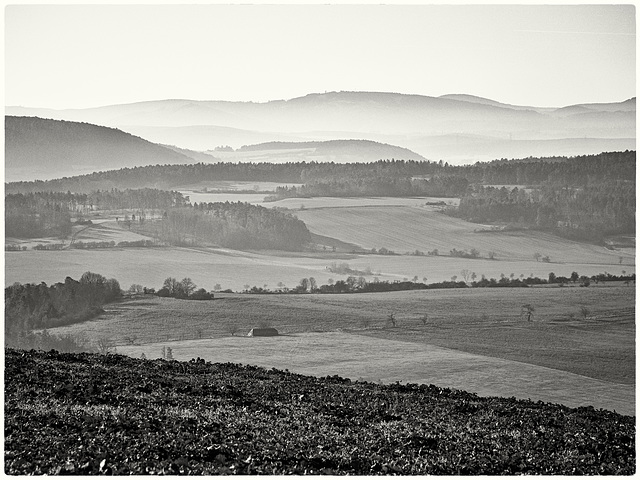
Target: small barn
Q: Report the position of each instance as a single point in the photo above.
(263, 332)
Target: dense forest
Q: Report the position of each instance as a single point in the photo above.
(32, 306)
(374, 184)
(230, 224)
(588, 213)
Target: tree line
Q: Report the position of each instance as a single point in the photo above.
(37, 306)
(374, 184)
(360, 284)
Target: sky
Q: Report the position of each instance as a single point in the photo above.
(79, 56)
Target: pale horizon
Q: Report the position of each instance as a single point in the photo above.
(87, 56)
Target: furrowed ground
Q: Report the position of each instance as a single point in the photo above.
(90, 414)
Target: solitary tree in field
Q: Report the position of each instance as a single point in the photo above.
(424, 319)
(391, 319)
(537, 256)
(527, 311)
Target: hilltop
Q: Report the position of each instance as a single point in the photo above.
(169, 417)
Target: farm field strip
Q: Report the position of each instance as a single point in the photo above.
(348, 355)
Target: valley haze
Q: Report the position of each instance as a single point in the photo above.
(457, 129)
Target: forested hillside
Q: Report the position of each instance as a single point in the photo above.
(47, 148)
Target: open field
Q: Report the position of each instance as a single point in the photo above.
(406, 229)
(481, 322)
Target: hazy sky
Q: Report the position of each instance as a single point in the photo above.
(78, 56)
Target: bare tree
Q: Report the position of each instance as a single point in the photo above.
(391, 319)
(466, 274)
(424, 319)
(104, 345)
(527, 311)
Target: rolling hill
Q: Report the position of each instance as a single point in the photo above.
(407, 120)
(338, 151)
(45, 149)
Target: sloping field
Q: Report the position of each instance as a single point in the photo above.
(348, 355)
(406, 229)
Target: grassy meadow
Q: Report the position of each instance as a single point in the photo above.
(484, 324)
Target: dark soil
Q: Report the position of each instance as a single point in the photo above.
(92, 414)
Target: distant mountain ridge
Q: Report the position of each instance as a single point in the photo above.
(410, 121)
